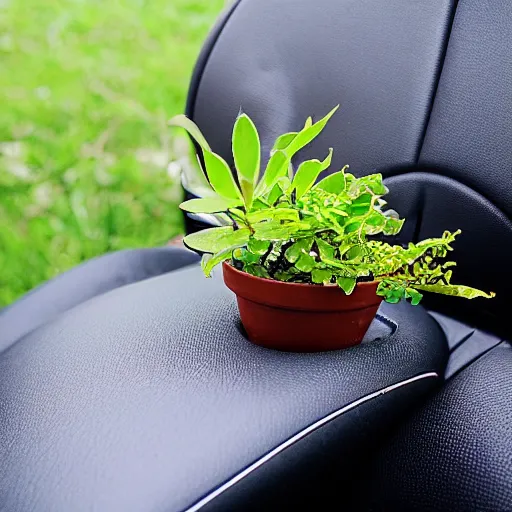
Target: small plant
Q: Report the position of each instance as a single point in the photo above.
(288, 227)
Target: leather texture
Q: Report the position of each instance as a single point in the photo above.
(455, 453)
(283, 61)
(148, 397)
(466, 343)
(83, 282)
(470, 129)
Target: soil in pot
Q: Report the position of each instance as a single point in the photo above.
(302, 317)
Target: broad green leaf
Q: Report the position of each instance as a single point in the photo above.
(184, 122)
(246, 148)
(308, 173)
(276, 231)
(258, 247)
(334, 184)
(392, 297)
(347, 284)
(276, 168)
(214, 240)
(208, 261)
(305, 263)
(320, 276)
(246, 154)
(209, 205)
(273, 214)
(247, 191)
(353, 226)
(455, 290)
(393, 226)
(220, 176)
(275, 194)
(283, 141)
(326, 250)
(300, 247)
(414, 295)
(308, 133)
(354, 252)
(376, 220)
(246, 256)
(372, 182)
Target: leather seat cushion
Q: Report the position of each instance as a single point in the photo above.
(83, 282)
(149, 397)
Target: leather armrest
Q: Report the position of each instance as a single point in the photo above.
(150, 398)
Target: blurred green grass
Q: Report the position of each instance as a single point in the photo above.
(86, 88)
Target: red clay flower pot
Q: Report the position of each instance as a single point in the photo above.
(302, 317)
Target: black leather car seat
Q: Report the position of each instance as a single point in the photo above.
(426, 98)
(148, 397)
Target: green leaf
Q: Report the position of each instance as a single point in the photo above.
(273, 214)
(414, 295)
(247, 257)
(246, 148)
(308, 133)
(275, 194)
(334, 184)
(296, 250)
(257, 270)
(305, 263)
(209, 205)
(220, 176)
(375, 223)
(320, 276)
(353, 226)
(276, 168)
(372, 182)
(208, 262)
(283, 141)
(465, 292)
(276, 231)
(258, 247)
(214, 240)
(246, 154)
(354, 252)
(308, 173)
(393, 226)
(326, 250)
(184, 122)
(347, 284)
(247, 192)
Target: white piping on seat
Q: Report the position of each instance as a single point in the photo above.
(303, 433)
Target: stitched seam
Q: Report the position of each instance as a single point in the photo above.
(440, 66)
(301, 435)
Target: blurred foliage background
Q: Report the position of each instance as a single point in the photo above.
(87, 163)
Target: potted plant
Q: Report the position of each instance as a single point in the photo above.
(308, 259)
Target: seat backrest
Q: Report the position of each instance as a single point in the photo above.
(426, 98)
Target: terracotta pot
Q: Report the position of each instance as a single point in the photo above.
(302, 317)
